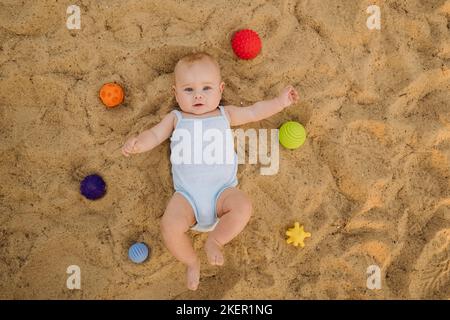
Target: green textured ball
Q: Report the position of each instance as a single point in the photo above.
(292, 135)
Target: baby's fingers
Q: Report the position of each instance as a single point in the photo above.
(294, 95)
(125, 152)
(128, 148)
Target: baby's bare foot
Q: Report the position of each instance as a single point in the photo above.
(214, 252)
(193, 275)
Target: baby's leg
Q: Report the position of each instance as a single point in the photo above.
(177, 219)
(234, 209)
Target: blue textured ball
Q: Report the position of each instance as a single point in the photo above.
(93, 187)
(138, 252)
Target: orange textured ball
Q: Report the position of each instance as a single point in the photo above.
(111, 94)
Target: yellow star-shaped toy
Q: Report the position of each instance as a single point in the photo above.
(297, 235)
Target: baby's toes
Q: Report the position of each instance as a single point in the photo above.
(214, 253)
(219, 259)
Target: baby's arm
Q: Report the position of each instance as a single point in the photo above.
(150, 138)
(262, 109)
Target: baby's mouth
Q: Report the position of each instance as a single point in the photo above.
(198, 104)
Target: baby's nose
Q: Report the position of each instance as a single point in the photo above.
(198, 95)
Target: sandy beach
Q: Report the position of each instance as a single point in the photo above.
(371, 183)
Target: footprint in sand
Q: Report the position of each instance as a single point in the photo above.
(409, 98)
(431, 275)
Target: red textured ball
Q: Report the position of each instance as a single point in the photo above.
(246, 44)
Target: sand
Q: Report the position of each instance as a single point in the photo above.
(371, 183)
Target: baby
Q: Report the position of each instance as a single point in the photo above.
(206, 197)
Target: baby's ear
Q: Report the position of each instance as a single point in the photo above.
(222, 86)
(175, 93)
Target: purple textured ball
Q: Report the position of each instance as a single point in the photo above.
(93, 187)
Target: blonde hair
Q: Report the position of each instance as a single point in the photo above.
(197, 56)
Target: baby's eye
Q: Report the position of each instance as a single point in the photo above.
(207, 88)
(188, 89)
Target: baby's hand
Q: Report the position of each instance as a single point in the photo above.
(130, 147)
(288, 96)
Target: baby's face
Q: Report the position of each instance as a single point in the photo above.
(198, 88)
